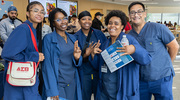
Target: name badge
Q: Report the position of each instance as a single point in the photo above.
(104, 68)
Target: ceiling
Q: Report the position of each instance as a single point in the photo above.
(146, 2)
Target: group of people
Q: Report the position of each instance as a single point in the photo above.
(73, 68)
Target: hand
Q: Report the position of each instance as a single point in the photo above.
(96, 49)
(129, 49)
(41, 57)
(89, 50)
(77, 51)
(55, 98)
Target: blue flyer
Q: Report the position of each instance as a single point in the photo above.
(113, 59)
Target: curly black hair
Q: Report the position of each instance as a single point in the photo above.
(52, 16)
(117, 13)
(135, 3)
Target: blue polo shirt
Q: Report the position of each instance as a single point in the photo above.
(154, 37)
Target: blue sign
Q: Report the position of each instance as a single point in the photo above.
(4, 7)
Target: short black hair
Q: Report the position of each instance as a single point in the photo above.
(135, 3)
(5, 15)
(52, 16)
(117, 13)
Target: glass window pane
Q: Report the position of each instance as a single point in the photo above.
(153, 17)
(173, 17)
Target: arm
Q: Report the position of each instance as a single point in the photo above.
(48, 70)
(173, 48)
(17, 46)
(139, 54)
(3, 32)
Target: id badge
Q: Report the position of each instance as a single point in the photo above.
(104, 68)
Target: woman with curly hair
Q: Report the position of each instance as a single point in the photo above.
(122, 84)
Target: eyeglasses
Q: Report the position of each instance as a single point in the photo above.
(36, 11)
(60, 20)
(139, 12)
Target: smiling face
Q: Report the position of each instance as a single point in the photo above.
(137, 14)
(85, 22)
(36, 14)
(115, 26)
(60, 21)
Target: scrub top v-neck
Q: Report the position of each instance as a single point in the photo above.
(66, 69)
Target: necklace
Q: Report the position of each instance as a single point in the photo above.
(64, 37)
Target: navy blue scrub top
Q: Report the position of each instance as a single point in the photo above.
(66, 69)
(89, 69)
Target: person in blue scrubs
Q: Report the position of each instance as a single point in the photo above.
(122, 84)
(157, 77)
(63, 56)
(19, 48)
(88, 74)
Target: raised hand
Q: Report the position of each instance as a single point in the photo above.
(77, 51)
(129, 49)
(96, 49)
(89, 50)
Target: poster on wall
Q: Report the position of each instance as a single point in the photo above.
(49, 5)
(68, 6)
(4, 7)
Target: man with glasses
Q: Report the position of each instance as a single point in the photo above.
(157, 77)
(9, 24)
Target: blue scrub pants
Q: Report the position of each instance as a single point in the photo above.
(21, 92)
(68, 92)
(89, 86)
(161, 89)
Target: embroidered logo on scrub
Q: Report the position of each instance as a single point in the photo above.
(26, 69)
(150, 43)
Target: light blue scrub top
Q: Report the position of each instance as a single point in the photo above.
(66, 68)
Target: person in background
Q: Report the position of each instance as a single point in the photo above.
(74, 24)
(96, 23)
(9, 24)
(63, 56)
(128, 26)
(157, 77)
(4, 16)
(175, 26)
(19, 48)
(165, 23)
(88, 37)
(45, 28)
(122, 84)
(170, 24)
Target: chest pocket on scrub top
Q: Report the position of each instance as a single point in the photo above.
(149, 43)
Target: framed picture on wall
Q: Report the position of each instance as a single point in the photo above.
(70, 7)
(49, 5)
